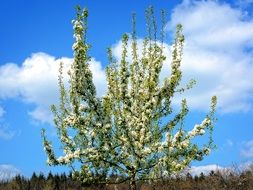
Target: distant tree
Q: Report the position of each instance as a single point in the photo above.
(63, 181)
(188, 176)
(19, 183)
(132, 131)
(57, 182)
(37, 181)
(201, 176)
(41, 177)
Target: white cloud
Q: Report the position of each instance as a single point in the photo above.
(206, 169)
(35, 82)
(99, 77)
(218, 53)
(8, 171)
(247, 150)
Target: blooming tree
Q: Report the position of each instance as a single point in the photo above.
(132, 132)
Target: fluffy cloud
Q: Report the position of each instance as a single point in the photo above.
(247, 151)
(35, 82)
(218, 53)
(206, 169)
(7, 172)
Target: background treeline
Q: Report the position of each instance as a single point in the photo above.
(219, 180)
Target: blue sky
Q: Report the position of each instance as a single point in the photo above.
(36, 35)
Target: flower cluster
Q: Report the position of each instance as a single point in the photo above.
(200, 129)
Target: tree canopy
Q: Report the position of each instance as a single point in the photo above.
(132, 131)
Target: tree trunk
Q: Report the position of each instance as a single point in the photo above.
(115, 187)
(132, 180)
(133, 184)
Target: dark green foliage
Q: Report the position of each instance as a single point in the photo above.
(220, 180)
(41, 182)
